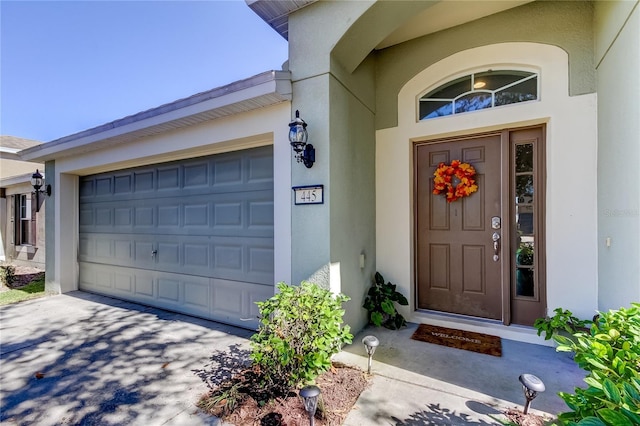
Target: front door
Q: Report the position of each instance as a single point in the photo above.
(483, 255)
(458, 265)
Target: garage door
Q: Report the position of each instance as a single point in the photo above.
(194, 236)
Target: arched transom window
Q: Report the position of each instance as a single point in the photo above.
(479, 91)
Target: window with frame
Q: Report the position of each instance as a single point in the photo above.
(479, 91)
(25, 220)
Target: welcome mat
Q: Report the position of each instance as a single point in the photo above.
(467, 340)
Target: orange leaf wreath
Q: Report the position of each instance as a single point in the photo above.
(457, 180)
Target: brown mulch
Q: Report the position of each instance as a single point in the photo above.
(23, 276)
(340, 388)
(521, 419)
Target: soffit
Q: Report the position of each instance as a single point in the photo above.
(441, 15)
(276, 12)
(446, 14)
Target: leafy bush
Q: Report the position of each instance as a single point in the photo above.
(561, 320)
(300, 329)
(610, 352)
(380, 304)
(8, 274)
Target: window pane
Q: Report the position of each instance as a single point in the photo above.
(433, 109)
(524, 282)
(473, 102)
(24, 232)
(524, 188)
(524, 254)
(494, 80)
(524, 219)
(451, 90)
(524, 158)
(525, 91)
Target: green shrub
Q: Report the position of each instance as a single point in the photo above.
(7, 274)
(380, 304)
(610, 352)
(300, 329)
(561, 320)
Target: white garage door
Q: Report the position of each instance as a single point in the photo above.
(194, 236)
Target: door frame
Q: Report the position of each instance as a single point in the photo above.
(506, 249)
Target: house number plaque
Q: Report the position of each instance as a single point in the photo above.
(312, 194)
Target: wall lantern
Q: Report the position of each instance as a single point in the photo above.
(37, 181)
(370, 344)
(531, 386)
(305, 153)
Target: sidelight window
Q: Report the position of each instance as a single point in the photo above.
(525, 208)
(479, 91)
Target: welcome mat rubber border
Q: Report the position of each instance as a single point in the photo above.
(460, 339)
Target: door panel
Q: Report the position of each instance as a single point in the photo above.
(456, 271)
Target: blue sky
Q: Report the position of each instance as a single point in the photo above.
(67, 66)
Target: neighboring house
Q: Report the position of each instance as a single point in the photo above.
(189, 206)
(21, 222)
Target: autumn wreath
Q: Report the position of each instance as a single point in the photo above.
(457, 180)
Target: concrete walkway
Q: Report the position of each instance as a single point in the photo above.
(83, 359)
(416, 383)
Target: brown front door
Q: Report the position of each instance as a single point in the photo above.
(456, 268)
(459, 269)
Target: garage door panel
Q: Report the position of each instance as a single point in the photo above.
(234, 302)
(193, 236)
(233, 258)
(144, 285)
(232, 172)
(238, 214)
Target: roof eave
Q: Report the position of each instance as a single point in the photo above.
(276, 13)
(268, 88)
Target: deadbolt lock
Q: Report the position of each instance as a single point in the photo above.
(495, 222)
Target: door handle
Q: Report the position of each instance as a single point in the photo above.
(496, 246)
(153, 253)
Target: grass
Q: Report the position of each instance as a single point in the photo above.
(33, 290)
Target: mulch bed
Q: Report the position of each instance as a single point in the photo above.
(340, 388)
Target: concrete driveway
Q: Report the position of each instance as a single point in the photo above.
(84, 359)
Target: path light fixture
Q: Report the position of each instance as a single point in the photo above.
(370, 343)
(37, 181)
(305, 153)
(309, 395)
(531, 385)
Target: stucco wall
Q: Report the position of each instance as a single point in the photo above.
(338, 107)
(50, 230)
(352, 197)
(560, 23)
(618, 59)
(571, 253)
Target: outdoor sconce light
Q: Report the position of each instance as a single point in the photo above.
(531, 385)
(370, 343)
(37, 181)
(305, 153)
(309, 395)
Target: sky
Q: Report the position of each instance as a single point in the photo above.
(68, 66)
